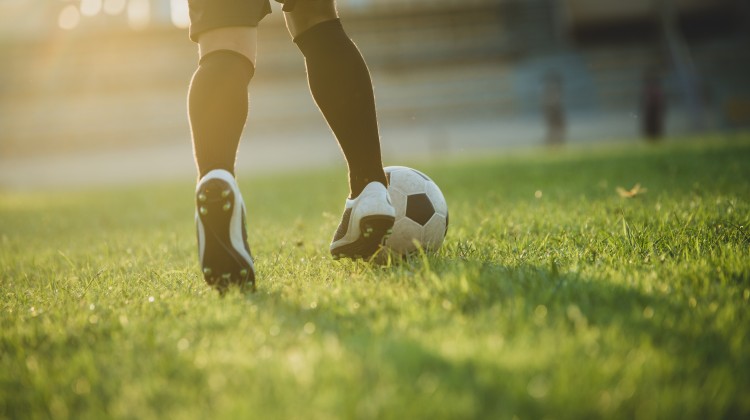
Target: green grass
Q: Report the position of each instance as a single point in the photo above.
(552, 297)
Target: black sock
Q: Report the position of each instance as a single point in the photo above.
(217, 108)
(341, 86)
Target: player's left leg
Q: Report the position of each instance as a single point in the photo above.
(340, 84)
(217, 98)
(226, 32)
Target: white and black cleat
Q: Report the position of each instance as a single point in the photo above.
(222, 238)
(365, 225)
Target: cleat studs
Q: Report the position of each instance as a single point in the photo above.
(227, 206)
(206, 271)
(203, 210)
(202, 197)
(366, 234)
(226, 276)
(225, 193)
(243, 272)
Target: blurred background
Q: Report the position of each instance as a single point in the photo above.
(93, 91)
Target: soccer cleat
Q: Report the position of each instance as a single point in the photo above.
(365, 225)
(222, 239)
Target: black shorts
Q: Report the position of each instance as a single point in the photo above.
(211, 14)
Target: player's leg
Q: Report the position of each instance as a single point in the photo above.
(340, 84)
(226, 32)
(217, 98)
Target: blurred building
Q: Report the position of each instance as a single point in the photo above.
(96, 73)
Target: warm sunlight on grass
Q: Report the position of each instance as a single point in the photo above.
(575, 303)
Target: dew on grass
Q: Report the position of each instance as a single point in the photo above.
(447, 305)
(183, 344)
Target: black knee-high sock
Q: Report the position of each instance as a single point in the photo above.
(217, 108)
(341, 86)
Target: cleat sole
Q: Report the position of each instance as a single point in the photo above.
(374, 232)
(214, 200)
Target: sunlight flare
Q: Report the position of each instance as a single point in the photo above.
(113, 7)
(139, 14)
(179, 13)
(91, 7)
(69, 17)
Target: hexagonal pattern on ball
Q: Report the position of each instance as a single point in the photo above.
(421, 211)
(436, 198)
(433, 232)
(419, 208)
(405, 231)
(398, 200)
(407, 180)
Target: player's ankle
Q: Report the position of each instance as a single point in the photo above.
(204, 170)
(358, 183)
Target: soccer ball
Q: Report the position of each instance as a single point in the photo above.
(421, 211)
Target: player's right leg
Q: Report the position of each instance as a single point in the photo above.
(226, 32)
(341, 87)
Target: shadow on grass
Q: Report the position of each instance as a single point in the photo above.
(687, 350)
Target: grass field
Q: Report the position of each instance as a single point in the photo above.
(553, 297)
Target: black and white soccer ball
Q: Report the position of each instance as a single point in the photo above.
(421, 211)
